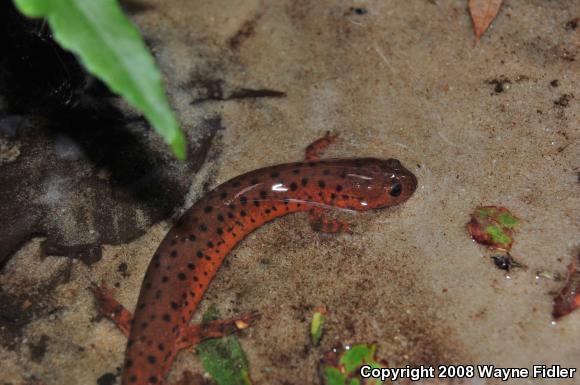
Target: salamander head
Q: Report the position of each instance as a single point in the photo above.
(399, 183)
(379, 183)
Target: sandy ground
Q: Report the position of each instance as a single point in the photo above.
(493, 123)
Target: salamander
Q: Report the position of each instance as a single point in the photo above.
(193, 250)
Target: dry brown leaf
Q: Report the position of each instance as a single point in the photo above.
(483, 12)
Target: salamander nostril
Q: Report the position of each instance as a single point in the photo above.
(396, 189)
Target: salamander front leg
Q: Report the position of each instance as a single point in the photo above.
(316, 148)
(320, 223)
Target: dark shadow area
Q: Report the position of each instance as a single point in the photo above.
(81, 172)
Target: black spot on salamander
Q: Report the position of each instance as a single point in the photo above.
(173, 242)
(133, 378)
(207, 258)
(223, 195)
(230, 215)
(244, 200)
(151, 359)
(254, 181)
(207, 209)
(293, 186)
(166, 317)
(174, 305)
(195, 279)
(220, 218)
(274, 174)
(164, 279)
(147, 285)
(263, 194)
(199, 254)
(296, 171)
(153, 379)
(128, 363)
(338, 188)
(144, 325)
(304, 181)
(173, 254)
(326, 172)
(161, 347)
(267, 211)
(321, 184)
(209, 244)
(236, 183)
(203, 227)
(242, 213)
(257, 203)
(182, 276)
(219, 231)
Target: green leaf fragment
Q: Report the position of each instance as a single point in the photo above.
(508, 220)
(111, 48)
(317, 327)
(356, 356)
(494, 226)
(498, 236)
(223, 358)
(346, 370)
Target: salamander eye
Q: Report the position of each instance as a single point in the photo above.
(396, 189)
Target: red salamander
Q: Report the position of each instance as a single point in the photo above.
(193, 250)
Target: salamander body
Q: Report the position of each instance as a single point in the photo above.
(193, 250)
